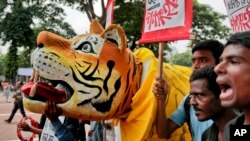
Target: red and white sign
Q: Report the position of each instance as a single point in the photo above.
(109, 12)
(239, 14)
(166, 20)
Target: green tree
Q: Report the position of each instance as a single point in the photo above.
(24, 58)
(20, 25)
(15, 28)
(10, 64)
(129, 15)
(207, 24)
(2, 56)
(183, 59)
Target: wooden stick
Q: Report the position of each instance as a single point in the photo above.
(160, 59)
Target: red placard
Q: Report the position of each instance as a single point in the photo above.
(166, 20)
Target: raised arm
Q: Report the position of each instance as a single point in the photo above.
(62, 132)
(164, 126)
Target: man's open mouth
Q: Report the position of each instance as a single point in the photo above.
(224, 87)
(226, 91)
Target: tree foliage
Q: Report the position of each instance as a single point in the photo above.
(11, 65)
(24, 58)
(15, 29)
(129, 15)
(183, 59)
(2, 56)
(21, 21)
(208, 24)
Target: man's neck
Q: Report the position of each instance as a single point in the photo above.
(224, 118)
(247, 117)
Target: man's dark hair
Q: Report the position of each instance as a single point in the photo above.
(208, 74)
(211, 45)
(241, 38)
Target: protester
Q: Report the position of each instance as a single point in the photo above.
(204, 54)
(96, 131)
(63, 128)
(64, 131)
(101, 131)
(18, 103)
(81, 130)
(70, 126)
(7, 90)
(68, 130)
(108, 130)
(205, 99)
(37, 130)
(234, 79)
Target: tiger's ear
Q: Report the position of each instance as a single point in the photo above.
(96, 27)
(114, 33)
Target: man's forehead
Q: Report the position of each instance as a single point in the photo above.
(202, 53)
(236, 52)
(199, 85)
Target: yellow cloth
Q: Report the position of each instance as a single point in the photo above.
(140, 123)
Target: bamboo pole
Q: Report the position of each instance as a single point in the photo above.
(160, 59)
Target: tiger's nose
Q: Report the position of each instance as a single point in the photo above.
(40, 45)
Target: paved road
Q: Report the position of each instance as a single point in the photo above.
(8, 131)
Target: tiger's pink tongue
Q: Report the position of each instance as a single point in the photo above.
(46, 91)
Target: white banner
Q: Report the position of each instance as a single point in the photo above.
(166, 20)
(163, 14)
(239, 14)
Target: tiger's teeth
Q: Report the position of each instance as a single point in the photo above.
(36, 77)
(33, 90)
(32, 76)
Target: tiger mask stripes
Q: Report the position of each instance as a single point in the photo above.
(102, 84)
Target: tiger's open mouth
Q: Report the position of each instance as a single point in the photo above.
(42, 91)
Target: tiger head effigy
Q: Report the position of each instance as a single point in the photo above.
(105, 79)
(87, 65)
